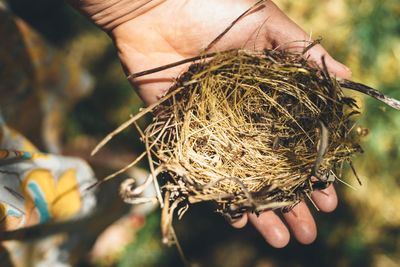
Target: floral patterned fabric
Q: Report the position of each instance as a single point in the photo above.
(38, 187)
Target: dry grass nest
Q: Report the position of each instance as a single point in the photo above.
(249, 131)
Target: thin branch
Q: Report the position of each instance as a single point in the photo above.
(233, 24)
(168, 66)
(362, 88)
(132, 120)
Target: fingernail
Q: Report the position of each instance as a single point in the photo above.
(306, 233)
(347, 69)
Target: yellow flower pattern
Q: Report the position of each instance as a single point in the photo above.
(54, 198)
(37, 187)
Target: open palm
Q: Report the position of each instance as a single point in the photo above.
(179, 29)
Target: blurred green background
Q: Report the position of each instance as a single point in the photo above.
(363, 231)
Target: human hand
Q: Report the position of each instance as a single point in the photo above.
(177, 29)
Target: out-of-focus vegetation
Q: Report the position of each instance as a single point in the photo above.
(365, 35)
(363, 231)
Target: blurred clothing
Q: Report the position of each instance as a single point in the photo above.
(38, 187)
(38, 84)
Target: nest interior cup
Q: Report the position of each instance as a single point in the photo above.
(251, 131)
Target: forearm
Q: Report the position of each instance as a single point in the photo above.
(109, 14)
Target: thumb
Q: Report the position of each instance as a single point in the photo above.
(316, 54)
(286, 34)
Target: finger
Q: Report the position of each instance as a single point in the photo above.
(325, 199)
(271, 228)
(286, 34)
(301, 223)
(338, 69)
(240, 223)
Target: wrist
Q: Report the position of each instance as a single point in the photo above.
(109, 14)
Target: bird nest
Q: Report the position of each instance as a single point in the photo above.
(249, 131)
